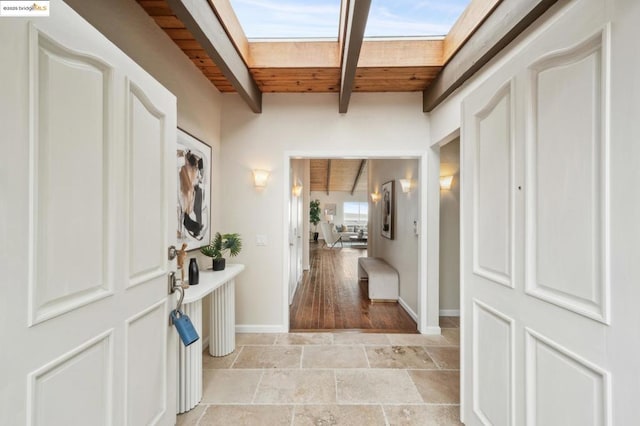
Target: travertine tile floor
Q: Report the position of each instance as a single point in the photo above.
(333, 379)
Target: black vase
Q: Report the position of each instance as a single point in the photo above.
(219, 264)
(194, 274)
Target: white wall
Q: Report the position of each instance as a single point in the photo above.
(338, 198)
(304, 125)
(128, 26)
(402, 251)
(450, 230)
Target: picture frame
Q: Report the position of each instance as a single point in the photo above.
(330, 209)
(193, 207)
(388, 210)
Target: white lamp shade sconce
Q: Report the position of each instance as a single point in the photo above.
(405, 184)
(445, 182)
(375, 197)
(260, 178)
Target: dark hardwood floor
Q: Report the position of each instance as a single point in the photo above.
(331, 298)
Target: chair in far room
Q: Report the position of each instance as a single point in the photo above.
(331, 237)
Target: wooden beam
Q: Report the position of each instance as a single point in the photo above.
(355, 181)
(226, 15)
(357, 14)
(201, 21)
(328, 175)
(342, 28)
(507, 21)
(472, 17)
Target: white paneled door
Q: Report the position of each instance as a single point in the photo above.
(88, 141)
(549, 294)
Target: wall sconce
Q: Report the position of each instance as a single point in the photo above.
(296, 190)
(375, 197)
(405, 184)
(445, 182)
(260, 178)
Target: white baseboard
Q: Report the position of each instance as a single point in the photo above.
(248, 328)
(408, 309)
(431, 331)
(449, 312)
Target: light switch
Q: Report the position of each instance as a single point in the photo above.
(261, 240)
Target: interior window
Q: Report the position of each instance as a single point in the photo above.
(356, 213)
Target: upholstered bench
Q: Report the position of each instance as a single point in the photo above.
(382, 279)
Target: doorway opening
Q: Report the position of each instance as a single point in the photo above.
(449, 250)
(326, 293)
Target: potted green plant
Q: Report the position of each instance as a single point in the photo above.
(314, 217)
(219, 246)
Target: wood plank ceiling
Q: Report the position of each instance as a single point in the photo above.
(330, 175)
(166, 19)
(315, 67)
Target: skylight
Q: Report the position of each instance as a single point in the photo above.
(288, 19)
(413, 18)
(295, 19)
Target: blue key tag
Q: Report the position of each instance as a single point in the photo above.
(184, 326)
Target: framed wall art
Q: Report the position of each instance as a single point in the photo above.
(330, 209)
(388, 219)
(194, 191)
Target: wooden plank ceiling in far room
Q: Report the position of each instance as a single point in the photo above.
(210, 34)
(331, 175)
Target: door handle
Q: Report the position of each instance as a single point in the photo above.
(174, 286)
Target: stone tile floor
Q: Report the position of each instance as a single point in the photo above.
(333, 379)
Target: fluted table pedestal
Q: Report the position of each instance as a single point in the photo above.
(222, 337)
(222, 334)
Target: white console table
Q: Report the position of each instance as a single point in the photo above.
(222, 330)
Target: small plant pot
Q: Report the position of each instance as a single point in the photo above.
(315, 236)
(219, 264)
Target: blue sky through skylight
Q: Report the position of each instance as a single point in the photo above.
(403, 18)
(288, 18)
(320, 18)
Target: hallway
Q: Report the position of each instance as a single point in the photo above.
(333, 378)
(331, 298)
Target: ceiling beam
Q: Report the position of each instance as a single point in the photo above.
(342, 28)
(508, 20)
(472, 17)
(357, 14)
(355, 182)
(201, 21)
(328, 175)
(229, 20)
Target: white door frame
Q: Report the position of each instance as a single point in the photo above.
(433, 215)
(428, 291)
(433, 209)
